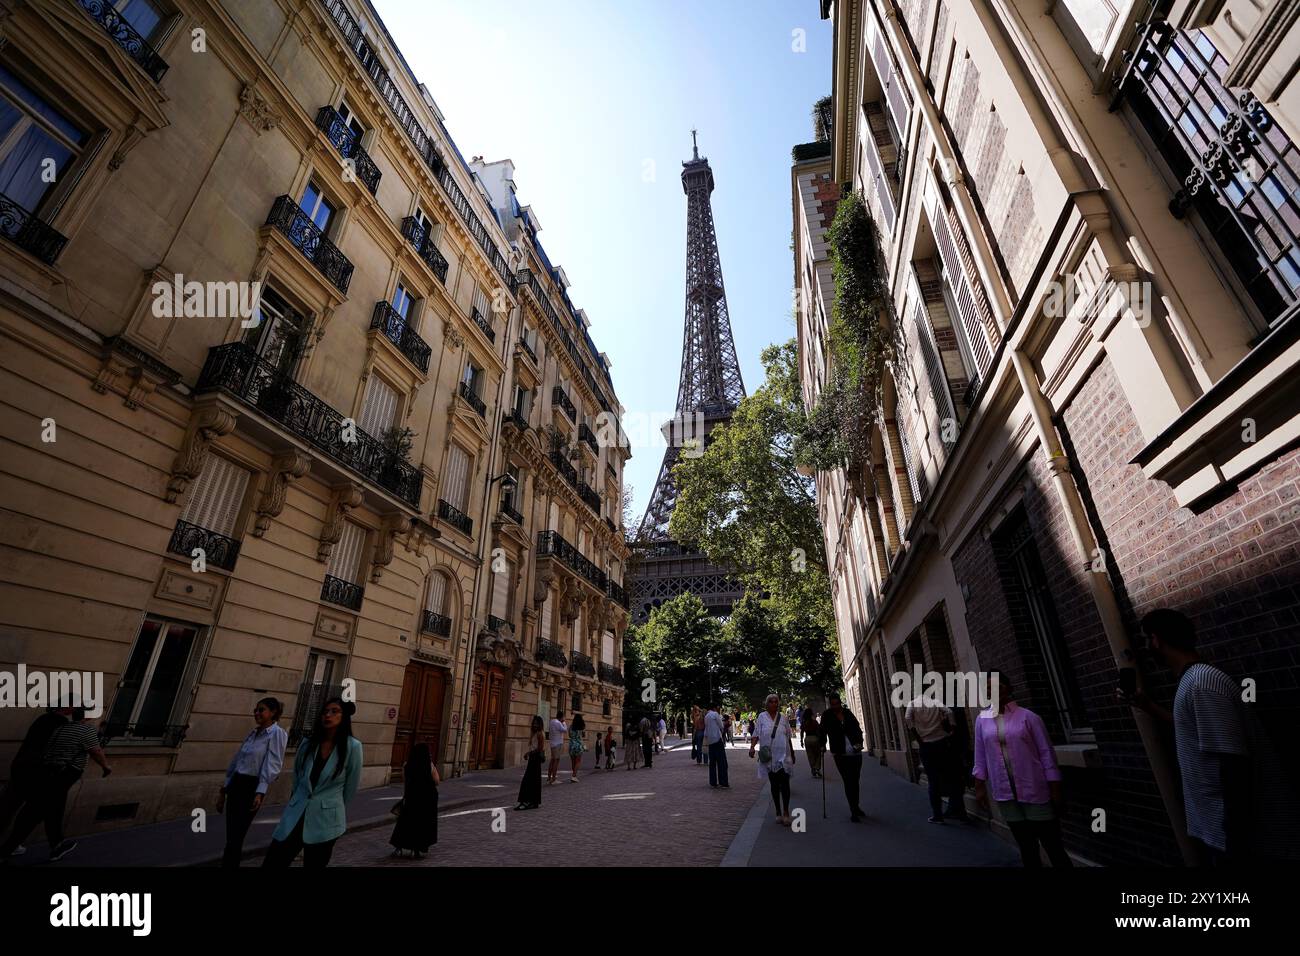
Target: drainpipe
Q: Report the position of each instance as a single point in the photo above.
(1103, 595)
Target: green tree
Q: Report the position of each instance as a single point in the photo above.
(685, 651)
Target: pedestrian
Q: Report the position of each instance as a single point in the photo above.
(647, 742)
(250, 774)
(843, 737)
(1240, 807)
(631, 745)
(24, 784)
(609, 747)
(933, 727)
(799, 718)
(600, 746)
(326, 772)
(661, 735)
(715, 739)
(726, 727)
(62, 765)
(576, 729)
(776, 761)
(812, 741)
(1014, 758)
(558, 732)
(697, 735)
(417, 815)
(681, 726)
(530, 788)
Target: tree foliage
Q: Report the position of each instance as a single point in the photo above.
(685, 651)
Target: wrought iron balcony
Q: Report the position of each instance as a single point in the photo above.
(474, 402)
(421, 239)
(548, 652)
(1236, 167)
(125, 36)
(559, 398)
(395, 329)
(609, 674)
(346, 142)
(484, 325)
(586, 436)
(509, 511)
(218, 550)
(168, 735)
(29, 233)
(528, 349)
(235, 368)
(616, 593)
(567, 470)
(517, 419)
(499, 625)
(589, 496)
(432, 622)
(551, 544)
(582, 664)
(457, 519)
(304, 235)
(343, 593)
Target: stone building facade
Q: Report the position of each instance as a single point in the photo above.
(210, 499)
(1089, 216)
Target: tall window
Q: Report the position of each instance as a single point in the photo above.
(278, 331)
(435, 598)
(36, 140)
(322, 680)
(213, 502)
(503, 591)
(154, 689)
(350, 120)
(402, 300)
(319, 209)
(473, 379)
(523, 402)
(145, 17)
(345, 559)
(456, 486)
(512, 493)
(378, 408)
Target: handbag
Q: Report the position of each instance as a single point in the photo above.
(765, 750)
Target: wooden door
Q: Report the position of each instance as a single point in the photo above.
(419, 716)
(489, 716)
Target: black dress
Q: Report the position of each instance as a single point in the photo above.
(530, 789)
(417, 824)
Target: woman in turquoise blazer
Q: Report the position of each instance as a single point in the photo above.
(326, 772)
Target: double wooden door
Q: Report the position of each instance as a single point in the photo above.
(419, 717)
(488, 718)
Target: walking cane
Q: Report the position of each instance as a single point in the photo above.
(823, 776)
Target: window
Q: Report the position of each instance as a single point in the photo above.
(523, 402)
(402, 301)
(456, 487)
(33, 133)
(607, 648)
(379, 408)
(503, 591)
(214, 501)
(473, 379)
(350, 120)
(322, 681)
(529, 337)
(345, 559)
(422, 221)
(144, 16)
(546, 617)
(435, 598)
(276, 335)
(511, 493)
(152, 695)
(577, 702)
(318, 209)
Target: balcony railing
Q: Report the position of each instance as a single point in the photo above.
(567, 470)
(421, 239)
(393, 325)
(559, 398)
(589, 496)
(457, 519)
(484, 325)
(126, 36)
(586, 436)
(616, 593)
(548, 652)
(1237, 168)
(304, 235)
(346, 142)
(609, 674)
(343, 593)
(582, 664)
(516, 418)
(474, 402)
(27, 232)
(166, 735)
(218, 550)
(431, 622)
(236, 368)
(528, 349)
(509, 511)
(498, 625)
(551, 544)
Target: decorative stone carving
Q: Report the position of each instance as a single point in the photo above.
(206, 425)
(285, 469)
(451, 333)
(383, 556)
(343, 500)
(256, 110)
(133, 136)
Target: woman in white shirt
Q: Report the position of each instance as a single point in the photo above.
(773, 737)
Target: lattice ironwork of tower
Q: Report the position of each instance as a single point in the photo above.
(708, 392)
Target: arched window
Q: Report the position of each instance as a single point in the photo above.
(436, 618)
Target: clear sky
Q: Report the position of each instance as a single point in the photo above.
(594, 101)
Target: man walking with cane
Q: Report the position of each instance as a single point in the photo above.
(843, 735)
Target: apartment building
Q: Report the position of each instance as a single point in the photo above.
(1088, 215)
(277, 364)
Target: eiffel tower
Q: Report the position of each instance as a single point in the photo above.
(708, 392)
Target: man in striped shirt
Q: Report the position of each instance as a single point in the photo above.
(1235, 794)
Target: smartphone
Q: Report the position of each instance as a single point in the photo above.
(1128, 680)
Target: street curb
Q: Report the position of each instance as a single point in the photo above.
(742, 844)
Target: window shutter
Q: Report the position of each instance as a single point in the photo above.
(546, 618)
(436, 601)
(345, 559)
(457, 487)
(214, 502)
(481, 303)
(500, 592)
(607, 648)
(378, 409)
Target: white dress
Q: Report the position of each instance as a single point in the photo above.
(782, 746)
